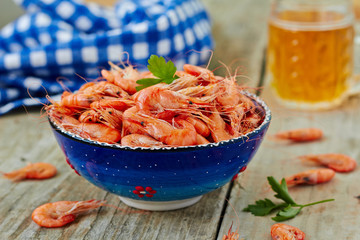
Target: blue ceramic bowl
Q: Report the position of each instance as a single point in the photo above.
(161, 178)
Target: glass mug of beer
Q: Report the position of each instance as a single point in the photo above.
(310, 52)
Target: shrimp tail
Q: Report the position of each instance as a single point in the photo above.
(83, 206)
(14, 176)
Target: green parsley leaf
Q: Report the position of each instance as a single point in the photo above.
(287, 213)
(281, 190)
(164, 71)
(287, 210)
(262, 207)
(146, 82)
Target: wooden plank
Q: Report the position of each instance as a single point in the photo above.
(278, 159)
(239, 29)
(27, 138)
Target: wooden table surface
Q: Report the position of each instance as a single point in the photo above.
(240, 33)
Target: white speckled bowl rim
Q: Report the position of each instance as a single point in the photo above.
(195, 147)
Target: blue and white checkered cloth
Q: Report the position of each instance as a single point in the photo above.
(70, 40)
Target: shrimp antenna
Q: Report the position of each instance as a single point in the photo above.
(35, 99)
(81, 77)
(64, 87)
(236, 234)
(210, 58)
(127, 58)
(226, 67)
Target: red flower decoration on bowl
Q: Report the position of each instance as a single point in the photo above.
(141, 191)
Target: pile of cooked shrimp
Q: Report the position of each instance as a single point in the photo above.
(196, 108)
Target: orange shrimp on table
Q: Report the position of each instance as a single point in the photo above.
(32, 171)
(281, 231)
(337, 162)
(231, 235)
(311, 177)
(58, 214)
(301, 135)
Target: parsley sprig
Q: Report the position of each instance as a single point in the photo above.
(286, 210)
(164, 71)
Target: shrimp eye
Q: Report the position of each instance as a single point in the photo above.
(306, 179)
(118, 92)
(142, 123)
(110, 112)
(190, 102)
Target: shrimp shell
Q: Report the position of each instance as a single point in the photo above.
(337, 162)
(32, 171)
(58, 214)
(314, 176)
(301, 135)
(281, 231)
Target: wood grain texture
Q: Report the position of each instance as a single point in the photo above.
(239, 29)
(28, 139)
(334, 220)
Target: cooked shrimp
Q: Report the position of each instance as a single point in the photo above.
(201, 140)
(185, 80)
(281, 231)
(107, 75)
(115, 103)
(165, 132)
(201, 73)
(231, 235)
(250, 122)
(201, 91)
(128, 127)
(314, 176)
(247, 103)
(337, 162)
(138, 140)
(95, 131)
(90, 116)
(123, 77)
(60, 114)
(58, 214)
(86, 85)
(106, 89)
(32, 171)
(111, 117)
(236, 114)
(217, 127)
(63, 119)
(230, 95)
(301, 135)
(78, 100)
(163, 103)
(199, 125)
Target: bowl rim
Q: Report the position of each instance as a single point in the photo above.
(242, 138)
